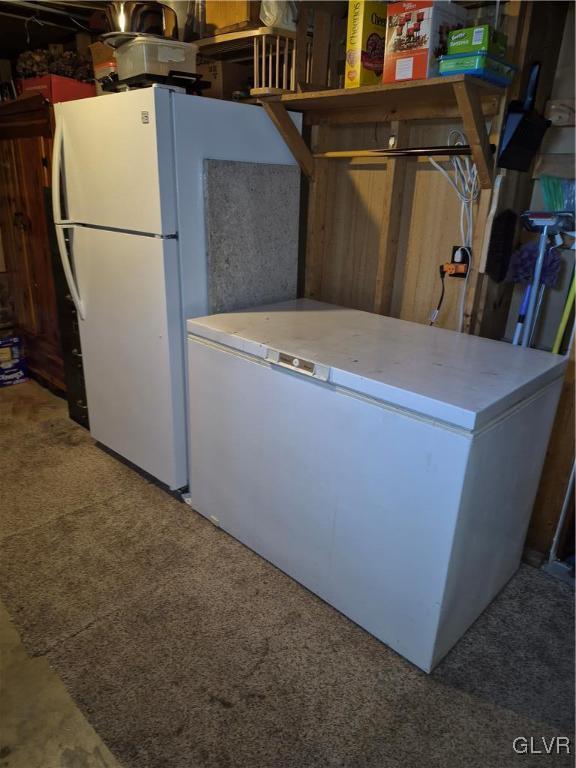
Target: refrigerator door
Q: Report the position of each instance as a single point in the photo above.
(115, 156)
(132, 344)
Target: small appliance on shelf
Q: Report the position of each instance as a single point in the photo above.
(151, 55)
(143, 59)
(144, 37)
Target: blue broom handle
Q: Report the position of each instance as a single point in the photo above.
(517, 338)
(534, 290)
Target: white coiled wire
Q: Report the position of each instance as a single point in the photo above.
(464, 182)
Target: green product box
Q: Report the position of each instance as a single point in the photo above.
(482, 39)
(479, 64)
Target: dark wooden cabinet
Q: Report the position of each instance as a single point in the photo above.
(45, 315)
(24, 175)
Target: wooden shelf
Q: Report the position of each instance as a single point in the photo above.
(457, 96)
(239, 46)
(416, 99)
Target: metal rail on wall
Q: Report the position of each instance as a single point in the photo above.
(442, 151)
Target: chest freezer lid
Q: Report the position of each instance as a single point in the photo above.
(463, 380)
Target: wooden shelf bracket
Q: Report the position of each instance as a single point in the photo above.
(296, 144)
(470, 107)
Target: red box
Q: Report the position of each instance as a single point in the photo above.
(416, 35)
(56, 88)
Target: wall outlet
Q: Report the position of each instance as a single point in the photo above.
(460, 255)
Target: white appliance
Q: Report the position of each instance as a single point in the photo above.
(131, 233)
(151, 55)
(389, 467)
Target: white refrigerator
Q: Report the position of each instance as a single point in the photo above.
(129, 212)
(388, 466)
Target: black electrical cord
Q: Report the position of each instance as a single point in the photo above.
(441, 299)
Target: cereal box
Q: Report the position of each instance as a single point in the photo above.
(365, 43)
(416, 35)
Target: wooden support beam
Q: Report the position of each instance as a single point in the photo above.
(475, 129)
(300, 44)
(320, 48)
(316, 220)
(389, 233)
(557, 469)
(474, 284)
(296, 144)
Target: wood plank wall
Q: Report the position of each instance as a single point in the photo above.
(347, 221)
(349, 211)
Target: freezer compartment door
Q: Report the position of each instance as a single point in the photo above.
(132, 345)
(114, 162)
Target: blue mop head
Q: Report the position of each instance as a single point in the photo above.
(521, 269)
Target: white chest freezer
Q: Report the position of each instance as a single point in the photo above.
(389, 467)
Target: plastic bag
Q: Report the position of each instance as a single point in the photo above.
(279, 13)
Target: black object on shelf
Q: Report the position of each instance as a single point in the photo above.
(192, 83)
(523, 129)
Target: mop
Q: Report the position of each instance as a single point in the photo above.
(521, 270)
(546, 223)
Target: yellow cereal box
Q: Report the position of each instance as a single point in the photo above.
(365, 42)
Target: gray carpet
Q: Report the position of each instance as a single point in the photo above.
(186, 650)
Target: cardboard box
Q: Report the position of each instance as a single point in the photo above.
(12, 367)
(416, 36)
(226, 16)
(56, 88)
(224, 77)
(482, 39)
(480, 65)
(102, 54)
(365, 38)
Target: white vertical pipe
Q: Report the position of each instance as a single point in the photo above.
(535, 285)
(563, 514)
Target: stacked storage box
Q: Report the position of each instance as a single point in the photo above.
(478, 51)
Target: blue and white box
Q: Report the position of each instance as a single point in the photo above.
(12, 365)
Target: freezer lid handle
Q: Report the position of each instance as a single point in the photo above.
(298, 364)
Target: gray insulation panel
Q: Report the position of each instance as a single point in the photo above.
(251, 214)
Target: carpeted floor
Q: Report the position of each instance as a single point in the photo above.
(186, 650)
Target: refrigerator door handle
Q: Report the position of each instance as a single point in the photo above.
(56, 169)
(64, 258)
(60, 225)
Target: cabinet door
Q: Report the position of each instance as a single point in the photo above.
(12, 223)
(31, 174)
(23, 165)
